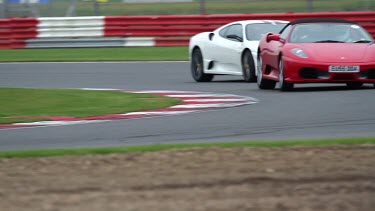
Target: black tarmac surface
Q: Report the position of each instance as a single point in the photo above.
(310, 111)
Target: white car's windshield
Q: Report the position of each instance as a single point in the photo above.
(255, 31)
(329, 33)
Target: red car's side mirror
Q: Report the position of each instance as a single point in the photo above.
(273, 37)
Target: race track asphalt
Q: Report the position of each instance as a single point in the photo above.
(310, 111)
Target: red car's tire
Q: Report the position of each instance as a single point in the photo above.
(284, 86)
(197, 67)
(262, 82)
(354, 85)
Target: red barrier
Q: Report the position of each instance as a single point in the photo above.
(227, 18)
(18, 34)
(15, 31)
(12, 43)
(159, 31)
(200, 23)
(162, 41)
(4, 24)
(17, 23)
(168, 30)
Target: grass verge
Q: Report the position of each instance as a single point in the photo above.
(117, 7)
(28, 105)
(95, 54)
(158, 147)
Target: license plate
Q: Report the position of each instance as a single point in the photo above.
(344, 69)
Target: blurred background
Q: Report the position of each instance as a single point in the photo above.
(71, 8)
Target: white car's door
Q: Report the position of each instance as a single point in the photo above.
(227, 49)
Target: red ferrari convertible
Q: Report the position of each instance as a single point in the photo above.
(316, 51)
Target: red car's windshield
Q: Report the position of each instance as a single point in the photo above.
(329, 32)
(255, 31)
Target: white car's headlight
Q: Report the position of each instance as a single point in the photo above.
(299, 52)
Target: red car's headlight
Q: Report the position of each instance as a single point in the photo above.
(299, 52)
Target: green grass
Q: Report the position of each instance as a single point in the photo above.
(146, 148)
(95, 54)
(116, 7)
(226, 7)
(17, 102)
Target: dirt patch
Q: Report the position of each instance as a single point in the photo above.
(333, 178)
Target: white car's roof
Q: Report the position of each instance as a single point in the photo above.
(245, 22)
(259, 21)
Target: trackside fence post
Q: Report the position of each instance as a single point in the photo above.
(3, 9)
(202, 7)
(309, 5)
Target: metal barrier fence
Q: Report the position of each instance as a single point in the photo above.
(73, 8)
(164, 30)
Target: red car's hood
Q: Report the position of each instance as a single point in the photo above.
(335, 52)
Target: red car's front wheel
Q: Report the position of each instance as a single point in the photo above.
(354, 85)
(284, 86)
(262, 82)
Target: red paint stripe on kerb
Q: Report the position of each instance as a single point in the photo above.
(213, 97)
(112, 116)
(12, 126)
(179, 109)
(203, 102)
(211, 102)
(171, 93)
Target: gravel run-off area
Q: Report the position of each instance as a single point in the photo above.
(303, 178)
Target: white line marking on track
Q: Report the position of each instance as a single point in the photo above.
(93, 62)
(194, 102)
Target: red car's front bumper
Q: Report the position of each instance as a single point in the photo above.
(304, 71)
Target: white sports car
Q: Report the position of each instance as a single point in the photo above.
(230, 49)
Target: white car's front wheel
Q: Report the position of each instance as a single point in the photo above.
(197, 67)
